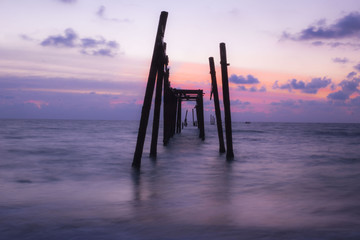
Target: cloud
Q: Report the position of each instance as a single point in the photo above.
(240, 104)
(340, 60)
(345, 27)
(98, 47)
(42, 84)
(250, 79)
(355, 46)
(318, 43)
(355, 101)
(26, 37)
(357, 67)
(103, 52)
(66, 40)
(314, 111)
(38, 103)
(286, 103)
(339, 95)
(348, 87)
(67, 1)
(71, 98)
(101, 14)
(88, 46)
(351, 75)
(252, 89)
(310, 87)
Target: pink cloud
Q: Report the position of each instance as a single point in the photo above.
(38, 103)
(117, 101)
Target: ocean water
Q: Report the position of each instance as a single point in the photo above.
(64, 179)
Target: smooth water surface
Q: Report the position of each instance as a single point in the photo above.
(62, 179)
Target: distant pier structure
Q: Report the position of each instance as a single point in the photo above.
(173, 98)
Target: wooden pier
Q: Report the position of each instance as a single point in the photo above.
(173, 98)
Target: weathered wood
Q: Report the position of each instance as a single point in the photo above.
(217, 105)
(167, 106)
(156, 120)
(149, 91)
(201, 121)
(178, 123)
(226, 100)
(193, 117)
(173, 115)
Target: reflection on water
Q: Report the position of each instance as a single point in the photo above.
(288, 181)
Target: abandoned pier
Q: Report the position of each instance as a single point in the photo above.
(158, 80)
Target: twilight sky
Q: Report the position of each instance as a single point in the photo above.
(80, 59)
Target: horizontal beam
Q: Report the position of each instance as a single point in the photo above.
(187, 91)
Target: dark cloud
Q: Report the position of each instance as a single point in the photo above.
(340, 60)
(103, 52)
(345, 27)
(357, 67)
(101, 14)
(286, 103)
(112, 44)
(318, 43)
(355, 46)
(250, 79)
(310, 87)
(339, 95)
(351, 75)
(91, 42)
(252, 89)
(355, 101)
(240, 104)
(88, 46)
(98, 47)
(66, 40)
(348, 87)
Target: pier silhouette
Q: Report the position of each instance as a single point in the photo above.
(173, 98)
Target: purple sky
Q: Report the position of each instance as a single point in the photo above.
(76, 59)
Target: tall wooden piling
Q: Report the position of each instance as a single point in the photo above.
(149, 91)
(173, 114)
(178, 122)
(158, 92)
(201, 121)
(167, 105)
(226, 100)
(217, 105)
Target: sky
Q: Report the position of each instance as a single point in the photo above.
(290, 61)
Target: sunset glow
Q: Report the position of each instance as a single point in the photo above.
(297, 62)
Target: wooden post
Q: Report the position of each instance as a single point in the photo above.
(167, 106)
(173, 114)
(226, 100)
(178, 123)
(159, 83)
(201, 121)
(149, 91)
(193, 117)
(197, 113)
(217, 105)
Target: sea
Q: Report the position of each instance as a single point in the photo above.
(72, 179)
